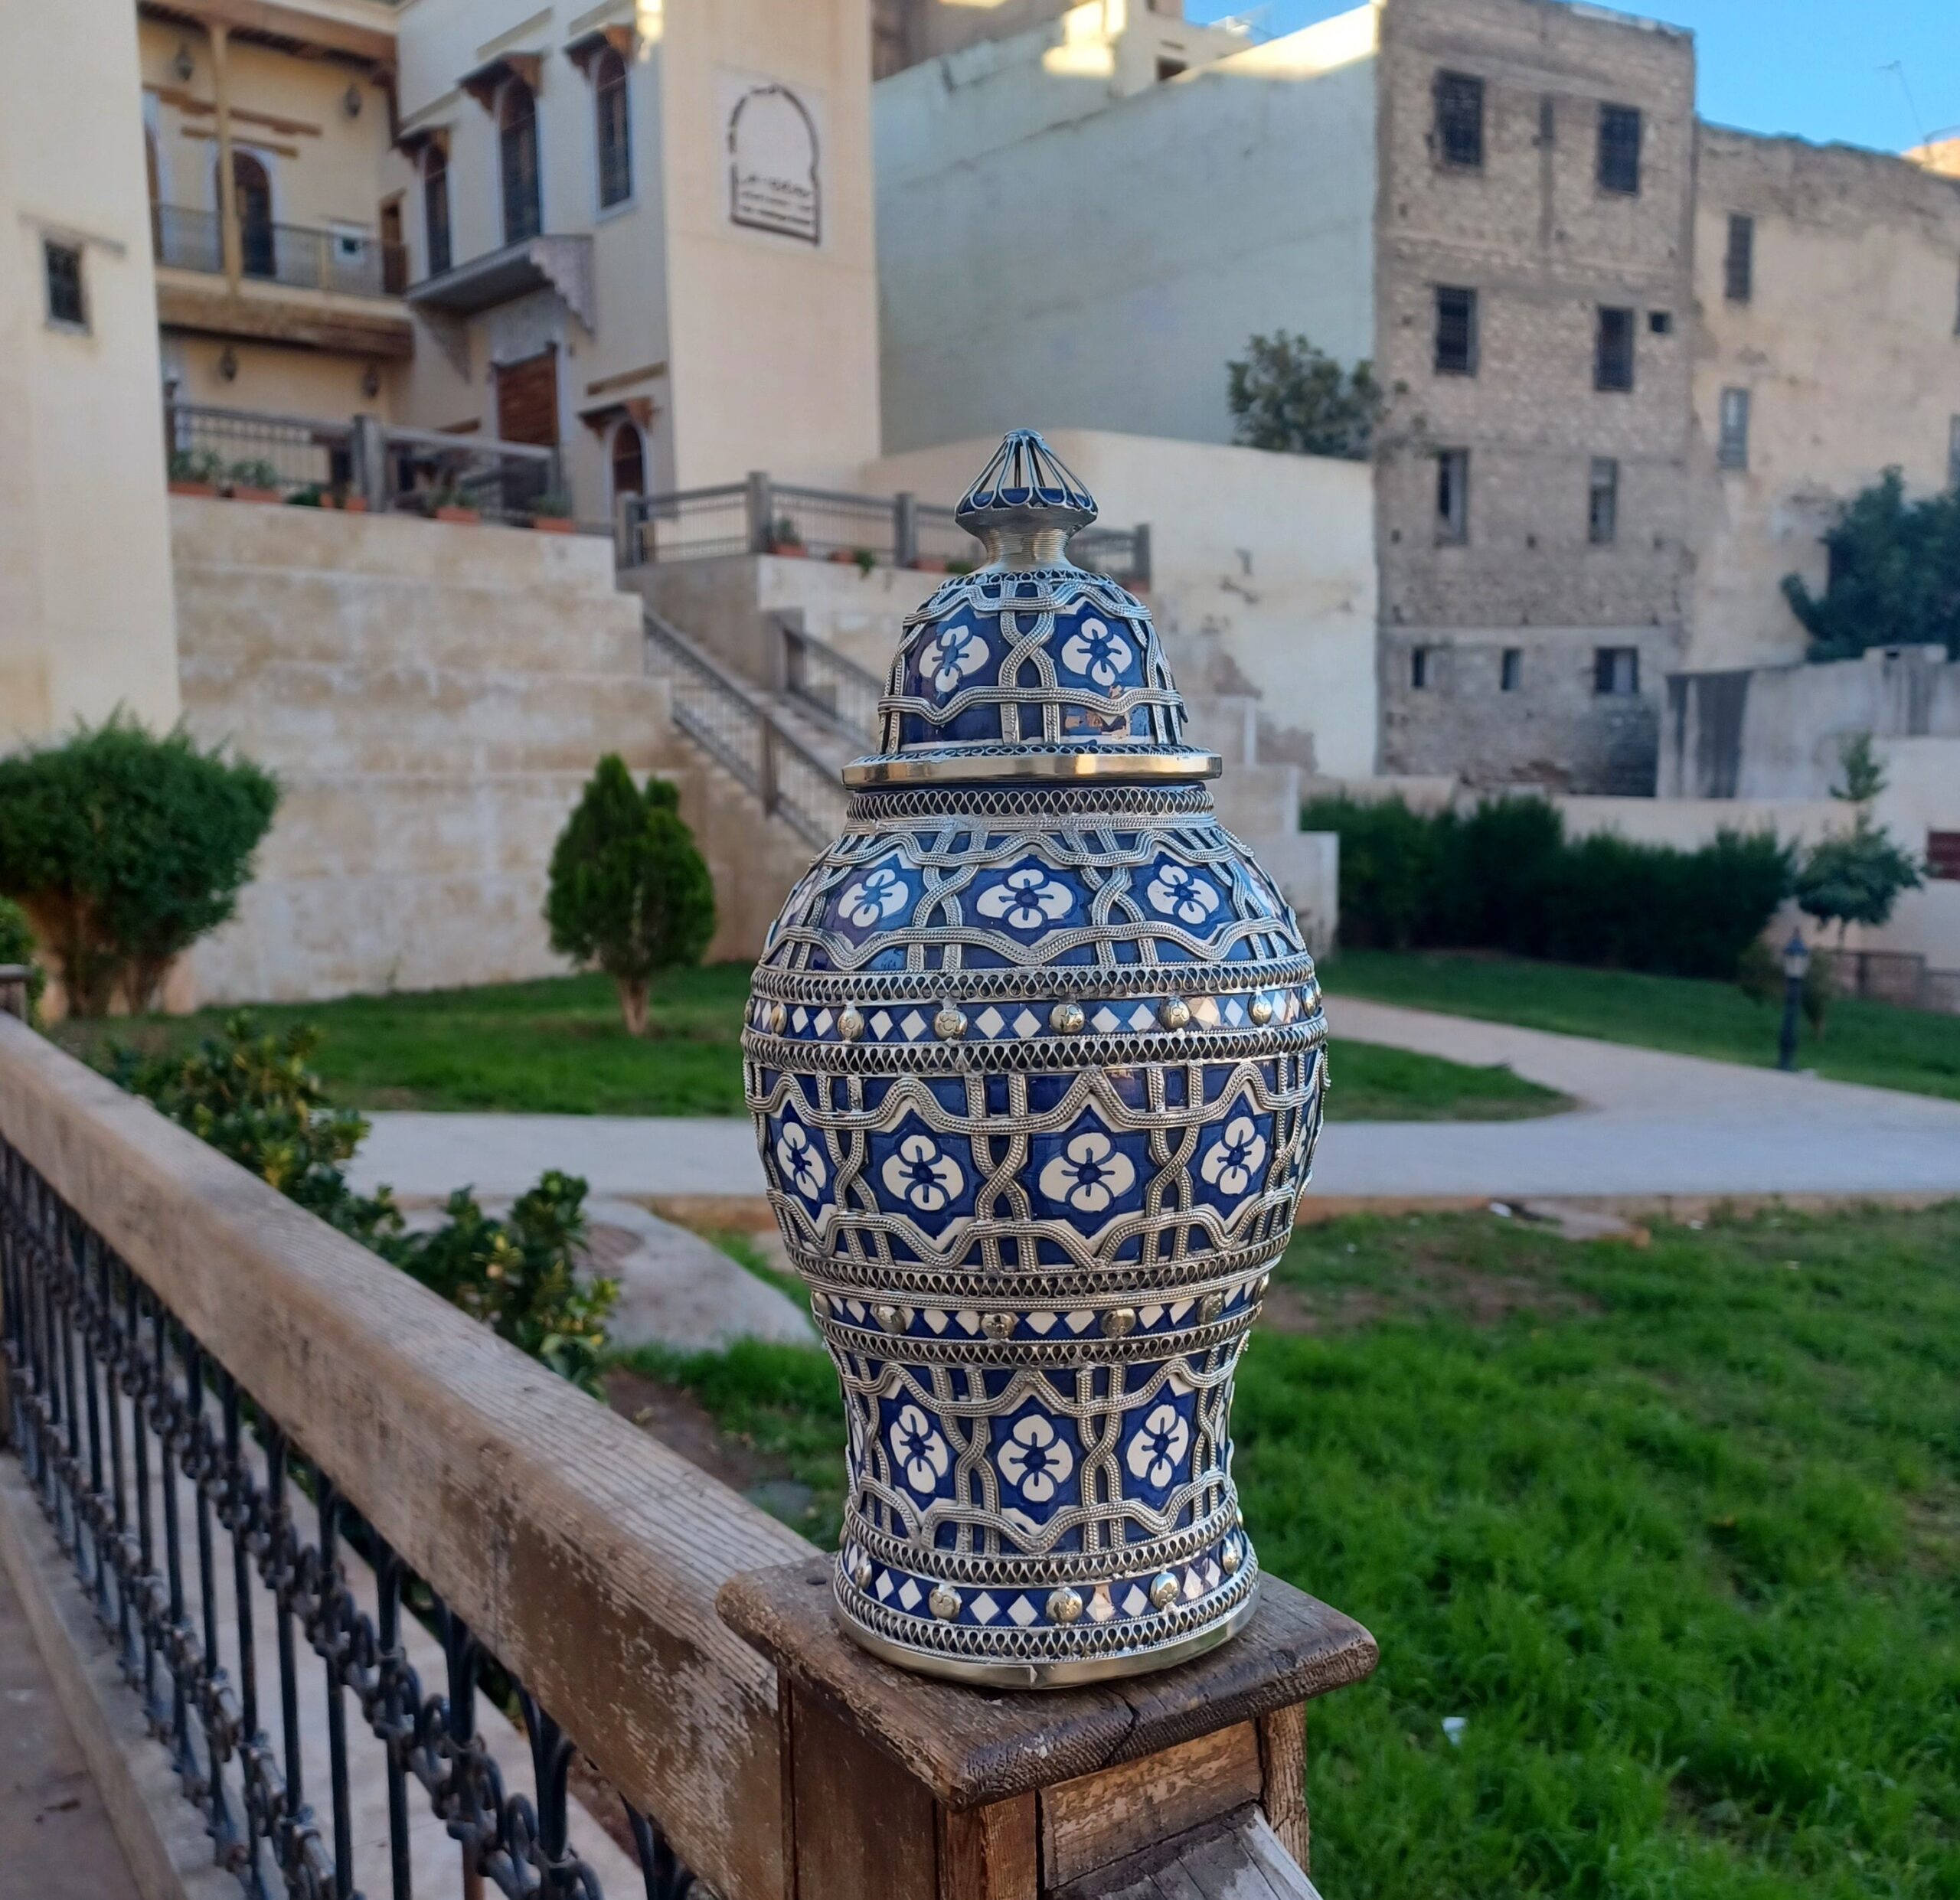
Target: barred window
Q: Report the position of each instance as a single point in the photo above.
(517, 150)
(1456, 331)
(1616, 671)
(1453, 495)
(1613, 355)
(615, 136)
(66, 303)
(1459, 127)
(435, 208)
(1602, 502)
(1738, 260)
(1619, 149)
(1732, 447)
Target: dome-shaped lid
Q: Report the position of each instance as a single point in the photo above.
(1029, 668)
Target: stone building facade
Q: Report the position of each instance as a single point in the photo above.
(1533, 297)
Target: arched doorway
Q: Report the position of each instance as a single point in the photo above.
(517, 145)
(251, 186)
(628, 460)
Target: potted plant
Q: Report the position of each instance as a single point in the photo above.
(195, 471)
(312, 496)
(450, 505)
(551, 513)
(256, 480)
(784, 539)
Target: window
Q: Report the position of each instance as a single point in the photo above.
(1616, 671)
(1168, 69)
(1943, 854)
(1738, 260)
(1510, 669)
(252, 187)
(1459, 127)
(1453, 495)
(66, 304)
(628, 460)
(1619, 149)
(1418, 668)
(615, 132)
(1661, 322)
(1732, 448)
(435, 208)
(1612, 366)
(517, 150)
(1953, 453)
(1456, 331)
(1602, 502)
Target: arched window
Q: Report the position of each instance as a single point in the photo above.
(616, 129)
(253, 188)
(517, 144)
(629, 461)
(435, 208)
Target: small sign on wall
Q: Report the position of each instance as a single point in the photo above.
(773, 149)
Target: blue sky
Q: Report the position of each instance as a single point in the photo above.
(1811, 67)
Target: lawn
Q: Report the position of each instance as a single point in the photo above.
(1863, 1042)
(1674, 1528)
(557, 1046)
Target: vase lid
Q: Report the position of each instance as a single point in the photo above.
(1030, 669)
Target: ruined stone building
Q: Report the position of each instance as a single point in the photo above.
(1633, 363)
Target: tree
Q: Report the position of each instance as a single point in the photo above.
(629, 890)
(1894, 576)
(1856, 876)
(125, 848)
(1288, 396)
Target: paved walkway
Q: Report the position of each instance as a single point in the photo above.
(1647, 1123)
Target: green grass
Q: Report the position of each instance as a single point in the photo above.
(557, 1046)
(1676, 1529)
(1863, 1042)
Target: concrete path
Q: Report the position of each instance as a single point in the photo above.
(1647, 1123)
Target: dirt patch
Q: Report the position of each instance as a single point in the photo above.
(1432, 1287)
(683, 1424)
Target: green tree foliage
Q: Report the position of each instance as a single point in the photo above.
(1856, 876)
(629, 891)
(125, 848)
(16, 945)
(254, 1098)
(1895, 575)
(1288, 396)
(1505, 877)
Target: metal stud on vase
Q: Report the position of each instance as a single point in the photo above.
(1036, 1055)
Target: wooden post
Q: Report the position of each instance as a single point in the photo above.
(231, 242)
(1171, 1784)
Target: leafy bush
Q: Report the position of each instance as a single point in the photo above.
(629, 890)
(253, 1097)
(1505, 877)
(197, 465)
(1895, 575)
(16, 945)
(256, 473)
(125, 848)
(1288, 396)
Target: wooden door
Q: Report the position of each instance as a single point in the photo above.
(528, 399)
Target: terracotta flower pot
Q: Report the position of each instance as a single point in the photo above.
(241, 493)
(842, 557)
(551, 524)
(789, 550)
(193, 488)
(355, 505)
(459, 514)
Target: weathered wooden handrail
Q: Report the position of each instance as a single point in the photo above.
(681, 1638)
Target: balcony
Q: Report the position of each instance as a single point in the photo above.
(561, 264)
(292, 281)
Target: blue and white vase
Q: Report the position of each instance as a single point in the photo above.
(1036, 1057)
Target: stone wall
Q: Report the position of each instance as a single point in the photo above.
(1544, 248)
(433, 698)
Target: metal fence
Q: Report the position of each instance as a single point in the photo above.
(739, 731)
(501, 481)
(1899, 977)
(186, 239)
(762, 516)
(839, 691)
(241, 449)
(303, 256)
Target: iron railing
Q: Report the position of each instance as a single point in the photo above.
(237, 449)
(185, 238)
(303, 257)
(426, 469)
(743, 734)
(762, 516)
(839, 691)
(249, 1604)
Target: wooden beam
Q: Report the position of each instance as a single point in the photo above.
(266, 317)
(990, 1853)
(1282, 1753)
(268, 20)
(583, 1553)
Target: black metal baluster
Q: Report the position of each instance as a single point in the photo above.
(89, 1329)
(395, 1724)
(279, 1525)
(667, 1875)
(461, 1798)
(200, 1463)
(63, 1294)
(327, 1500)
(167, 1456)
(115, 1386)
(139, 1439)
(237, 1519)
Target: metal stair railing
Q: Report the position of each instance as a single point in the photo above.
(743, 735)
(824, 682)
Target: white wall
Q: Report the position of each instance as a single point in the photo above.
(1050, 244)
(1263, 571)
(86, 618)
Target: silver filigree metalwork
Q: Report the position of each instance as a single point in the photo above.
(1036, 1057)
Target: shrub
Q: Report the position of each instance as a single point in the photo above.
(1505, 877)
(254, 1098)
(16, 945)
(629, 890)
(1288, 396)
(1894, 578)
(125, 848)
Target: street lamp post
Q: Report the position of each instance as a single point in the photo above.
(1796, 966)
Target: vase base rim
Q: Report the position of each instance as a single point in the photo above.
(1062, 1672)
